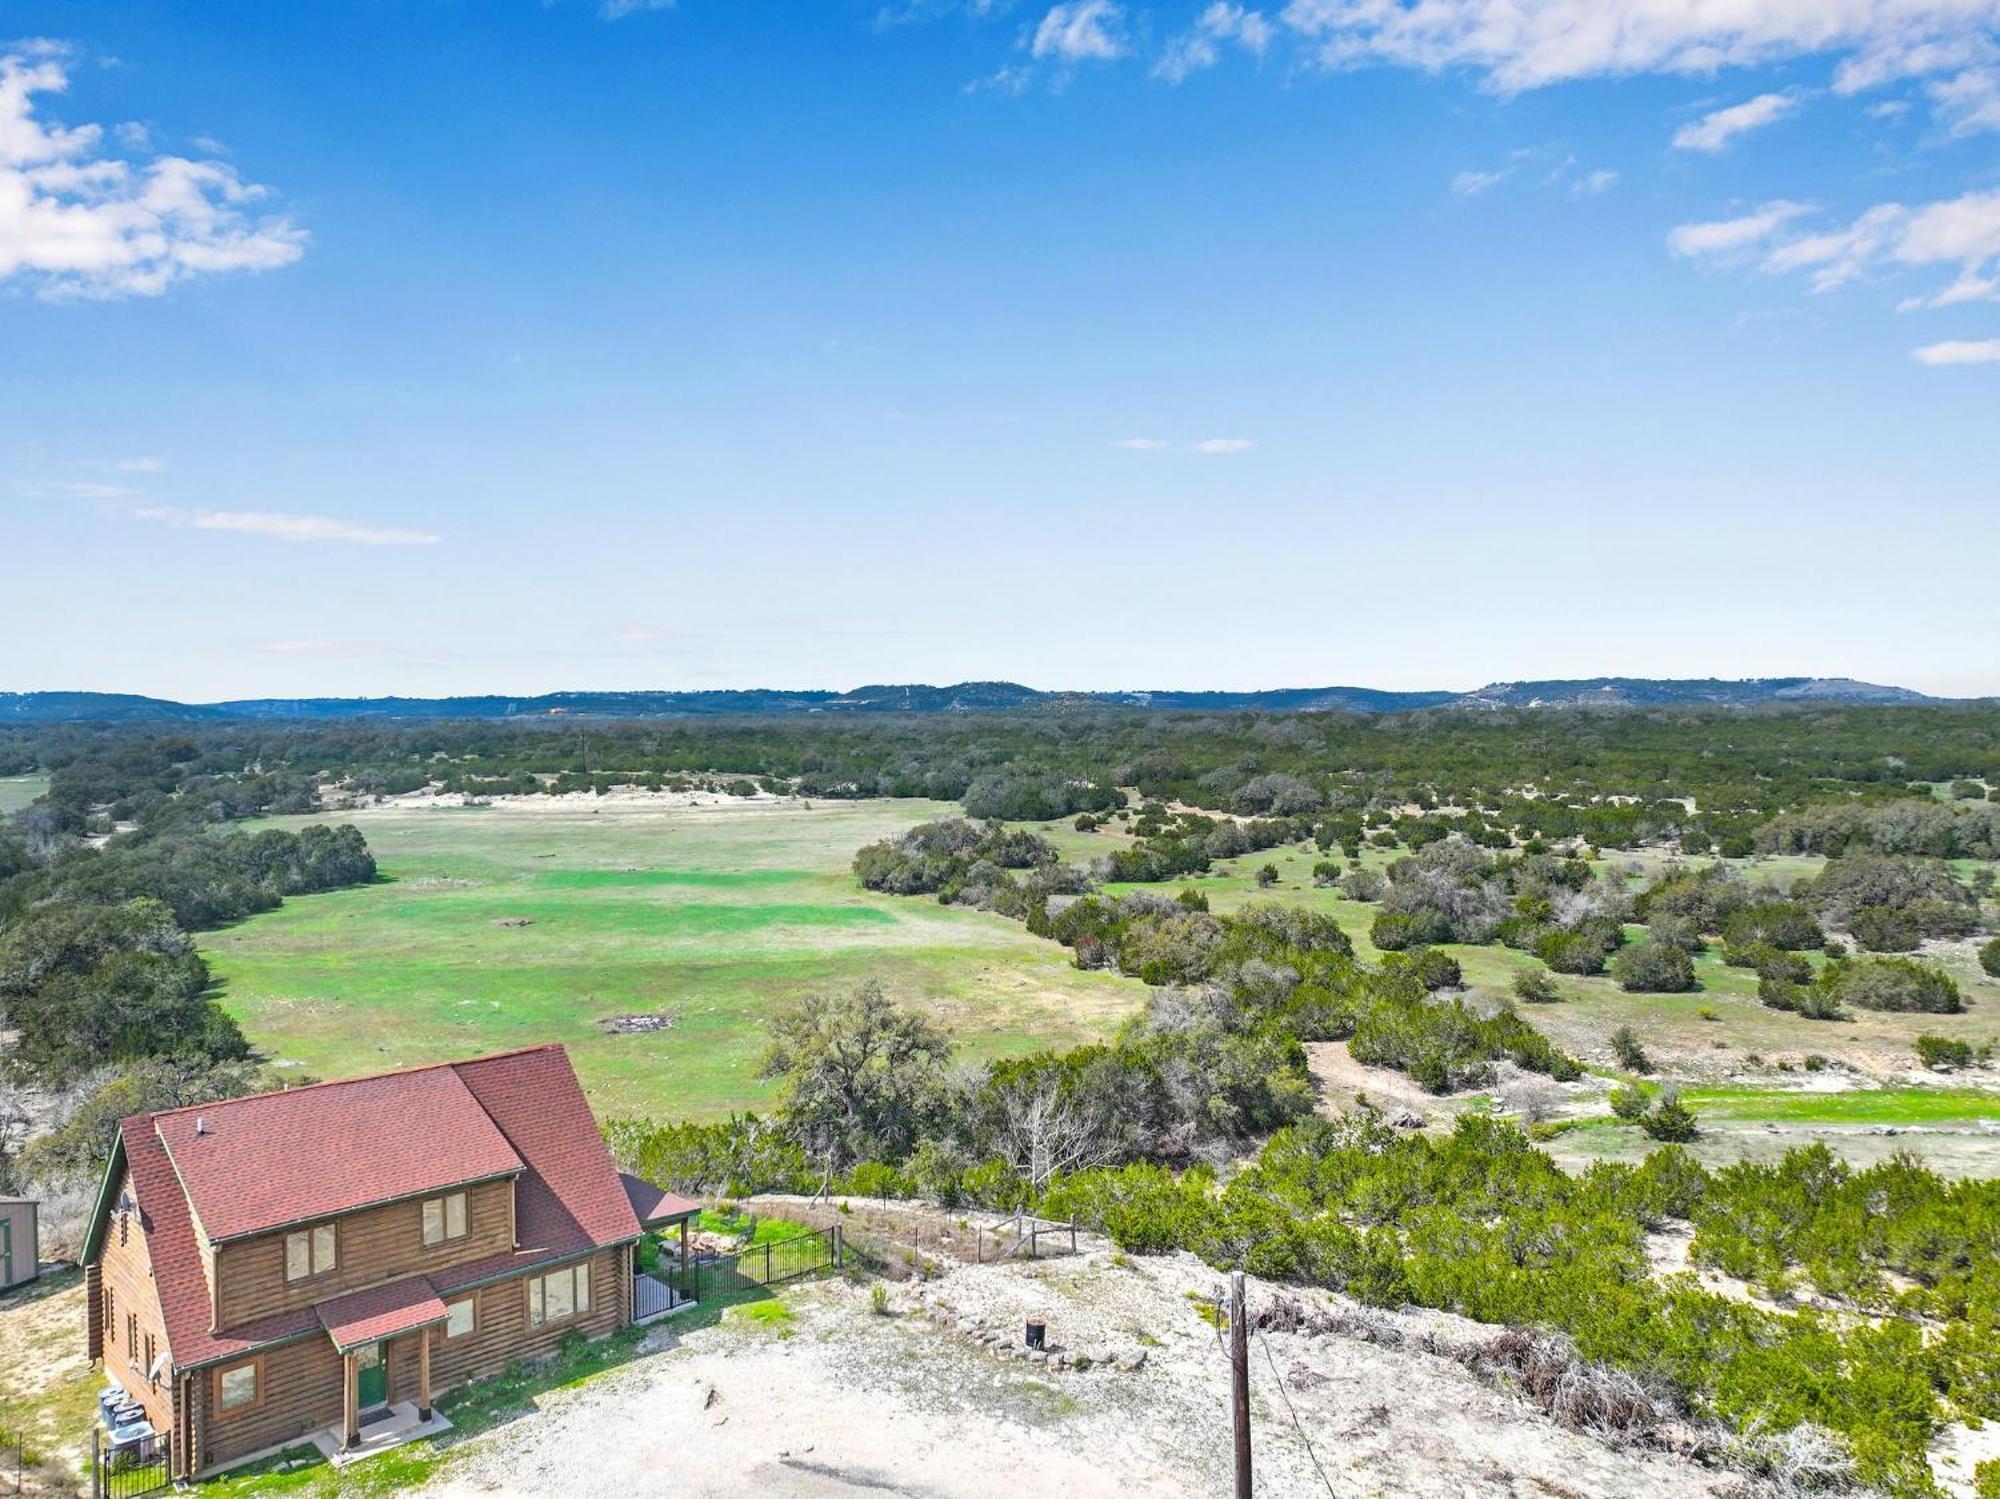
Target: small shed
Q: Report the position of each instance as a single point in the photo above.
(20, 1241)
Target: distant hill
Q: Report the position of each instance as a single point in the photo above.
(1649, 692)
(963, 697)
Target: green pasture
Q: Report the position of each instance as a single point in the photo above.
(513, 925)
(17, 791)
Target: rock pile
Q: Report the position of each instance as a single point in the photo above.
(1009, 1341)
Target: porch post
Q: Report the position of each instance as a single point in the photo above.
(350, 1404)
(424, 1375)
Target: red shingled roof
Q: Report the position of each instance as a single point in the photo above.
(254, 1164)
(282, 1158)
(363, 1317)
(653, 1205)
(571, 1198)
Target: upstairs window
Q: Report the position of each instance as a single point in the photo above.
(444, 1219)
(309, 1252)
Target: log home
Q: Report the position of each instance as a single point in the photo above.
(315, 1265)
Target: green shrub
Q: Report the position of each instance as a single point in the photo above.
(1629, 1102)
(1631, 1055)
(1571, 952)
(1670, 1122)
(1884, 929)
(1942, 1051)
(1896, 984)
(1653, 968)
(1989, 955)
(1535, 987)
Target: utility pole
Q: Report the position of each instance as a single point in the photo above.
(1239, 1380)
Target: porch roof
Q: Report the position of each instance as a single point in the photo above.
(363, 1317)
(652, 1205)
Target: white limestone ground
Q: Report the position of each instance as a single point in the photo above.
(848, 1402)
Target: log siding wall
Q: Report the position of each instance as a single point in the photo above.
(371, 1246)
(125, 1267)
(301, 1391)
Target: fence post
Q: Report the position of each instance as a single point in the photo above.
(1034, 1242)
(767, 1262)
(96, 1463)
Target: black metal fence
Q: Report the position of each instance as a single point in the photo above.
(764, 1264)
(652, 1296)
(128, 1470)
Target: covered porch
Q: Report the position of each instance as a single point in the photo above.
(654, 1294)
(363, 1326)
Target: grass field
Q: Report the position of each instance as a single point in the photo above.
(17, 791)
(530, 922)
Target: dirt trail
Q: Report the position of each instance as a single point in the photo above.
(1341, 1080)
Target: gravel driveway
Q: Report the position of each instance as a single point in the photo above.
(845, 1402)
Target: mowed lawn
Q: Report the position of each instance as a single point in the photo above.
(538, 921)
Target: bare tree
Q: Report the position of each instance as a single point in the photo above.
(1045, 1131)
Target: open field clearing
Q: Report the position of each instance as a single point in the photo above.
(17, 791)
(542, 919)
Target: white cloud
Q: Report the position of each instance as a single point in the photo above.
(1223, 445)
(1590, 184)
(1730, 236)
(341, 648)
(1141, 444)
(1719, 127)
(285, 527)
(140, 465)
(1962, 232)
(1200, 48)
(613, 10)
(1470, 184)
(1959, 351)
(1969, 101)
(77, 223)
(1523, 44)
(1003, 80)
(92, 491)
(1083, 31)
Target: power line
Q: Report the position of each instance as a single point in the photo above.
(1265, 1343)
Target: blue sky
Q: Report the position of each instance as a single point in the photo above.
(425, 347)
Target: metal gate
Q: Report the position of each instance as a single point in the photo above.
(131, 1469)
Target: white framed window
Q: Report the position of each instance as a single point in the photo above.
(309, 1251)
(460, 1318)
(559, 1296)
(444, 1219)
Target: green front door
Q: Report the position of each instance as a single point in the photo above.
(371, 1377)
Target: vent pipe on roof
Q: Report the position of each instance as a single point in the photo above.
(201, 1124)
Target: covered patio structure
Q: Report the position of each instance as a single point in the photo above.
(657, 1209)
